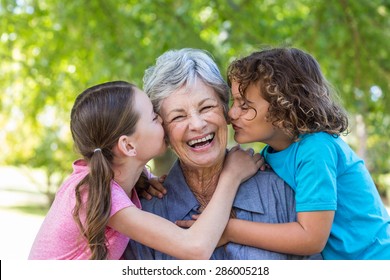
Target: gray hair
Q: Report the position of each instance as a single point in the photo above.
(177, 68)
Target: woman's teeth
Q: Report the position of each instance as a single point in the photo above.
(201, 140)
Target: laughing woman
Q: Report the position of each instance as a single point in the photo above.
(189, 93)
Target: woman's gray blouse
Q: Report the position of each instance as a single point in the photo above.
(263, 198)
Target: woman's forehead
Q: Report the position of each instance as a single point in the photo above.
(194, 96)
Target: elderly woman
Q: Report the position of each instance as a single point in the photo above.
(188, 91)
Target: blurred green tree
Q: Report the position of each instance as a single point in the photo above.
(51, 50)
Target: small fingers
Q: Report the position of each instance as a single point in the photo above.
(195, 216)
(235, 148)
(162, 178)
(258, 157)
(251, 151)
(259, 160)
(265, 166)
(152, 190)
(146, 195)
(156, 188)
(185, 223)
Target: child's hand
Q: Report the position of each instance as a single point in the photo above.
(264, 165)
(242, 164)
(155, 188)
(187, 223)
(223, 240)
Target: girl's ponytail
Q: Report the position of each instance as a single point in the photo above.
(98, 204)
(101, 115)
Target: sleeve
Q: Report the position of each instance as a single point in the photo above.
(119, 199)
(316, 176)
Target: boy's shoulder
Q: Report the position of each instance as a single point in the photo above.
(318, 140)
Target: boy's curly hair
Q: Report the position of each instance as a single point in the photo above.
(291, 81)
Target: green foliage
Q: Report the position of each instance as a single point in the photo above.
(52, 50)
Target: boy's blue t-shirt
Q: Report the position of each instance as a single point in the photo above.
(326, 174)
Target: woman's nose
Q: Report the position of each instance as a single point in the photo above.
(197, 122)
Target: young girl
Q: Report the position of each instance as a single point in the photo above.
(281, 98)
(97, 210)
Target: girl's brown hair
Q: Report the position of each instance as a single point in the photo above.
(292, 82)
(100, 115)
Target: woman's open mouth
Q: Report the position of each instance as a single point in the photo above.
(201, 142)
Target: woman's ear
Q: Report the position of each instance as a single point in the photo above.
(126, 146)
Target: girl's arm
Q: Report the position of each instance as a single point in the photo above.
(307, 236)
(200, 240)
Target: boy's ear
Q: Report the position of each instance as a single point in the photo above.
(126, 146)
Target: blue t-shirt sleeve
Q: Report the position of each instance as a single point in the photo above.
(316, 175)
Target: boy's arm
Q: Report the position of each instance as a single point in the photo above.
(307, 236)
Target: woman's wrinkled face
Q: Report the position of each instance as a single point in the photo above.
(195, 125)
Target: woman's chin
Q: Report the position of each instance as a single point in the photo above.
(209, 160)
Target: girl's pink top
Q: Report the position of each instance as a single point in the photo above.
(59, 236)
